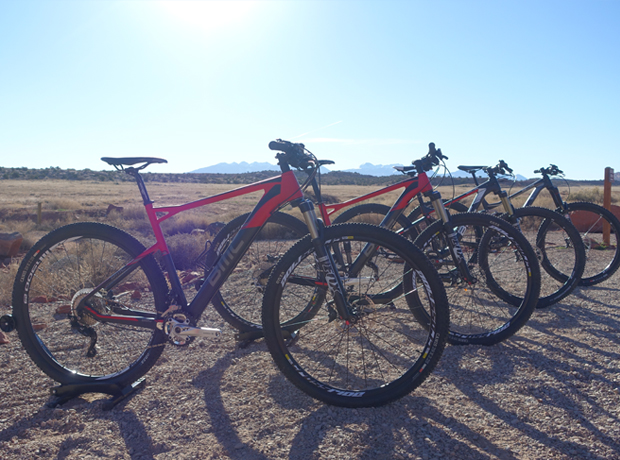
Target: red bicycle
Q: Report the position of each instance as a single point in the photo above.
(488, 267)
(94, 311)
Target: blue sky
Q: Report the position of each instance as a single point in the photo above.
(198, 83)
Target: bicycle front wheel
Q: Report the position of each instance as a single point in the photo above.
(380, 355)
(370, 213)
(602, 259)
(71, 346)
(505, 275)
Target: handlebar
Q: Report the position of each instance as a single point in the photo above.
(501, 168)
(430, 160)
(293, 154)
(552, 170)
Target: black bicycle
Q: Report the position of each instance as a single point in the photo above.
(602, 258)
(557, 242)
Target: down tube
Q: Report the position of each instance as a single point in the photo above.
(222, 270)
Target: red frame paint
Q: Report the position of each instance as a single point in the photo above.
(411, 190)
(283, 189)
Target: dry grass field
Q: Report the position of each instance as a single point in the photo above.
(64, 202)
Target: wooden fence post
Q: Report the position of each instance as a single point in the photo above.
(609, 178)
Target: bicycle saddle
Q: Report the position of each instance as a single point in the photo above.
(128, 161)
(471, 169)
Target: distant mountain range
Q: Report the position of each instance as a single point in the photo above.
(367, 169)
(481, 175)
(237, 168)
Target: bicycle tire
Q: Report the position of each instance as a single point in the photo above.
(602, 261)
(239, 299)
(369, 213)
(357, 364)
(507, 273)
(560, 251)
(59, 269)
(416, 214)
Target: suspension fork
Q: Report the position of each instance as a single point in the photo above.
(452, 236)
(325, 259)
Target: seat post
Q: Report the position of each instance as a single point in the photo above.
(141, 186)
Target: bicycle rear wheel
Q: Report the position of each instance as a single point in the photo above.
(602, 260)
(239, 299)
(559, 248)
(384, 352)
(506, 272)
(71, 346)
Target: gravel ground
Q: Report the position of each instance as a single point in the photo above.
(551, 391)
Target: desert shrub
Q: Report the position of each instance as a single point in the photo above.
(7, 275)
(132, 219)
(185, 249)
(61, 204)
(593, 195)
(327, 199)
(184, 223)
(133, 213)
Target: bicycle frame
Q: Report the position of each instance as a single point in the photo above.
(538, 186)
(413, 186)
(491, 185)
(278, 191)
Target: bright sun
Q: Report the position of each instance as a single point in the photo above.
(208, 14)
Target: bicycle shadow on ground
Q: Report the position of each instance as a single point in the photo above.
(593, 294)
(211, 381)
(58, 432)
(415, 424)
(434, 433)
(306, 443)
(58, 421)
(571, 319)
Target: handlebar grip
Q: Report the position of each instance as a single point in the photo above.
(280, 146)
(435, 152)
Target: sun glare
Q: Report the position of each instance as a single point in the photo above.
(208, 14)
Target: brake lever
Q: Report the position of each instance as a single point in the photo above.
(503, 166)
